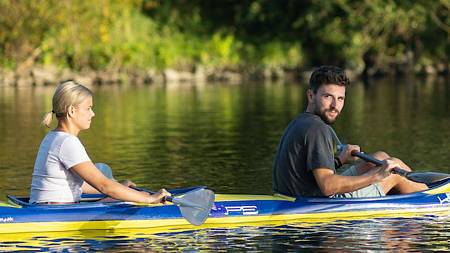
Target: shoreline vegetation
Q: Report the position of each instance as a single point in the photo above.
(44, 75)
(152, 41)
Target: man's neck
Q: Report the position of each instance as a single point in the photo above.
(309, 109)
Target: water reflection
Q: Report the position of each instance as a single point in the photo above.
(380, 235)
(372, 235)
(221, 136)
(225, 137)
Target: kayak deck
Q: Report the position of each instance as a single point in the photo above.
(232, 209)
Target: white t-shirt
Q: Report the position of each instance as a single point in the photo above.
(53, 181)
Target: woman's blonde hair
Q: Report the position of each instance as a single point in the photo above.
(66, 94)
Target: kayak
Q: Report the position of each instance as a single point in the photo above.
(19, 216)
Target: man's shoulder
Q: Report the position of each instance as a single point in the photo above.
(307, 124)
(313, 125)
(310, 120)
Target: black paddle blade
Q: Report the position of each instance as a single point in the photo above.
(419, 177)
(196, 205)
(427, 177)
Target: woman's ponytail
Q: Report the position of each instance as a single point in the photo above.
(47, 119)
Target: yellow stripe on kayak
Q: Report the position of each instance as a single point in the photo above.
(88, 225)
(440, 189)
(326, 217)
(244, 197)
(3, 204)
(169, 224)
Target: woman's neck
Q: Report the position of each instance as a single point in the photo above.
(68, 128)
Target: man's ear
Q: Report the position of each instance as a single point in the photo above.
(309, 94)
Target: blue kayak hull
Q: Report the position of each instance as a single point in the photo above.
(228, 209)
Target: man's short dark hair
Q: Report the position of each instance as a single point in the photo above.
(327, 75)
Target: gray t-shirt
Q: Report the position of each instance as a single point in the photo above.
(307, 144)
(53, 181)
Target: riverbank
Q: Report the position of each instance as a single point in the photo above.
(102, 42)
(42, 76)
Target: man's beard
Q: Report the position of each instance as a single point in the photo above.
(323, 116)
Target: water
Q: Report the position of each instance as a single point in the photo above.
(423, 234)
(225, 137)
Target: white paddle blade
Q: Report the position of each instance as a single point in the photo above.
(196, 205)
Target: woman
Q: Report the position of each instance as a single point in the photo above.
(62, 164)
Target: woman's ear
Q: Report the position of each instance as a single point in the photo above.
(71, 111)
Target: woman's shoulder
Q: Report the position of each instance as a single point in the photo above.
(70, 145)
(59, 138)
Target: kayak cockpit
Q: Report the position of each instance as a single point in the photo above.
(90, 198)
(24, 201)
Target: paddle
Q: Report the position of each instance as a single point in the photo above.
(420, 177)
(195, 205)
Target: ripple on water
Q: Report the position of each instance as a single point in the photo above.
(225, 137)
(378, 235)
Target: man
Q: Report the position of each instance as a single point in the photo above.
(305, 164)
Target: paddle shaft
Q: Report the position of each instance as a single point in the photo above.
(419, 177)
(377, 162)
(177, 201)
(166, 198)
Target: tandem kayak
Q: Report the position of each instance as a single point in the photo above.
(234, 209)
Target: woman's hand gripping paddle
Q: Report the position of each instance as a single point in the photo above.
(194, 205)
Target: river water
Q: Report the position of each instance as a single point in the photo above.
(225, 137)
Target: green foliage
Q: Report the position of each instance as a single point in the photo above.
(114, 34)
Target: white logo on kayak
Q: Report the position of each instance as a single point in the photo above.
(446, 199)
(243, 210)
(6, 219)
